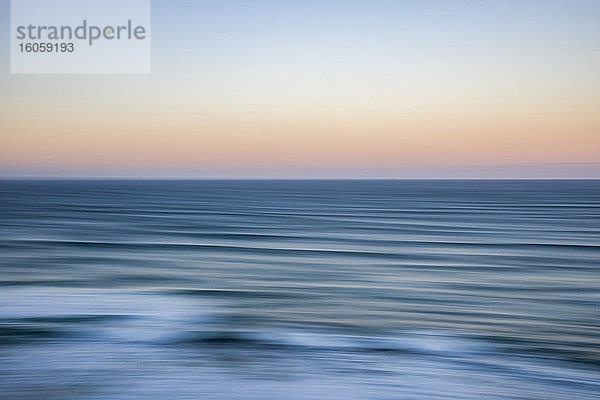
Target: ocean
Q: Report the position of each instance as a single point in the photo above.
(293, 289)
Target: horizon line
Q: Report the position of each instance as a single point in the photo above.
(134, 178)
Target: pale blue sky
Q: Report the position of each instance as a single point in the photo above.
(312, 87)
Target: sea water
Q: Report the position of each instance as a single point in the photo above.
(332, 289)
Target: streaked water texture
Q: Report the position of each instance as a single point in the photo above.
(300, 289)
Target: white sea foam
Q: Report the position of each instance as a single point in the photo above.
(129, 315)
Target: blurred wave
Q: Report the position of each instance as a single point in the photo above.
(300, 289)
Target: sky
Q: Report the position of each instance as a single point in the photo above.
(324, 89)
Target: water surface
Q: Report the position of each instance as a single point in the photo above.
(300, 289)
